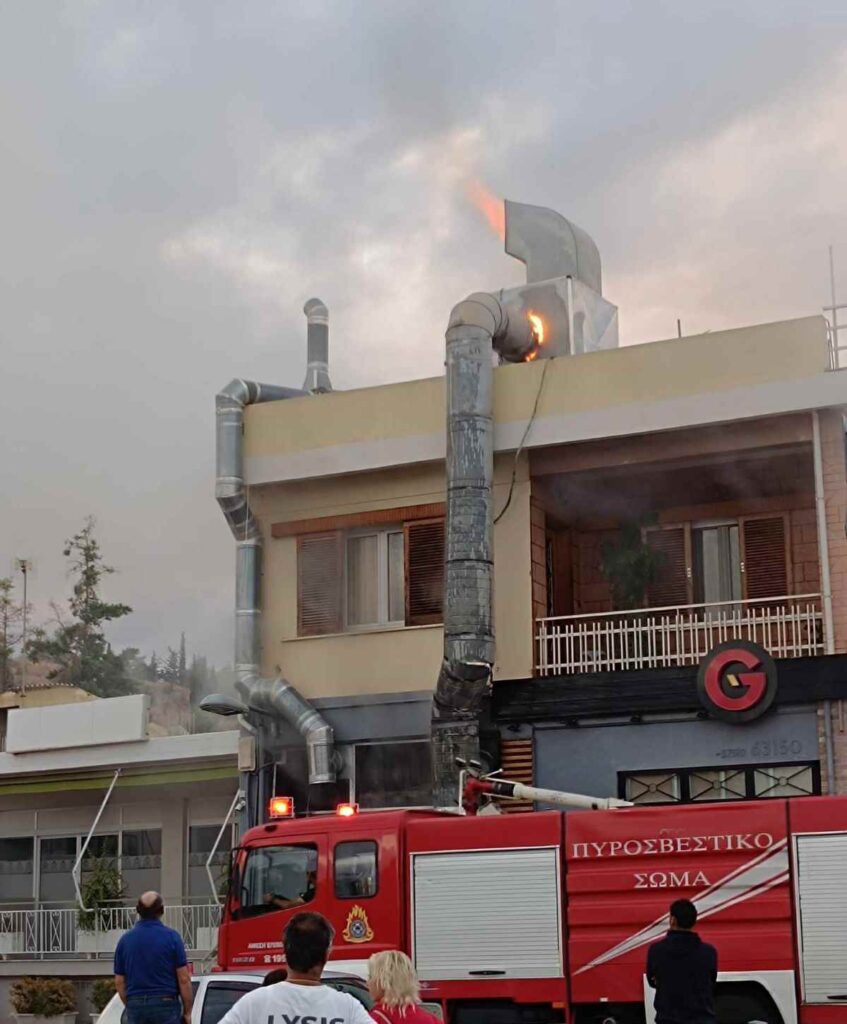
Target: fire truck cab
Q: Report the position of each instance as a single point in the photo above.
(544, 917)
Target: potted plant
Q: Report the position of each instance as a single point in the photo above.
(36, 1000)
(101, 993)
(630, 565)
(102, 891)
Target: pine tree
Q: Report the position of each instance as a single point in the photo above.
(79, 646)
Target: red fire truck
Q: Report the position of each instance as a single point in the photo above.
(547, 916)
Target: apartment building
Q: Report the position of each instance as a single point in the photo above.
(716, 462)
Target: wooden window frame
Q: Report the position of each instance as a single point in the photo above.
(381, 522)
(382, 533)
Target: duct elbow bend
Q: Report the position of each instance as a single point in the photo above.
(510, 331)
(320, 746)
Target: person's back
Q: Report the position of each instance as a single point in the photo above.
(683, 970)
(393, 983)
(151, 968)
(307, 941)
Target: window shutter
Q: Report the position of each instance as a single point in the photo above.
(672, 585)
(320, 573)
(764, 565)
(424, 546)
(516, 761)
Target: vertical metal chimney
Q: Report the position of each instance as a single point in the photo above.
(317, 347)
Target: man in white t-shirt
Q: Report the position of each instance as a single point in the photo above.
(301, 999)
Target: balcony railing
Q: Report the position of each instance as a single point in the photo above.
(787, 627)
(53, 933)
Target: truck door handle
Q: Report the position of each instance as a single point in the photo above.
(491, 974)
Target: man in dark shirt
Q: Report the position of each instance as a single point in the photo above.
(151, 969)
(683, 970)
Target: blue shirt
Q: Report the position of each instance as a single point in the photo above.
(148, 957)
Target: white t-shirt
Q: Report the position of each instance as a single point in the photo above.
(285, 1003)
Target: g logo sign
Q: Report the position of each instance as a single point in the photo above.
(737, 681)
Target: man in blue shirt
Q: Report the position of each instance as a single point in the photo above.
(151, 969)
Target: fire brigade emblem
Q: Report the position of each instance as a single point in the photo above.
(737, 681)
(358, 927)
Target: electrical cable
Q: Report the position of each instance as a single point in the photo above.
(502, 511)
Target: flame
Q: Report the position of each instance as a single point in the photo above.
(489, 206)
(537, 325)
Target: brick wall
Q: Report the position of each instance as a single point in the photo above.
(805, 564)
(835, 495)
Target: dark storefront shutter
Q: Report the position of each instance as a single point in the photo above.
(763, 557)
(424, 546)
(320, 573)
(672, 585)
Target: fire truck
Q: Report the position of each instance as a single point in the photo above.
(547, 916)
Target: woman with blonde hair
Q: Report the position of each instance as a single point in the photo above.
(394, 985)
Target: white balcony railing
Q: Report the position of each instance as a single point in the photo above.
(46, 933)
(787, 627)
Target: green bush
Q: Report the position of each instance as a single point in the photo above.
(45, 997)
(101, 992)
(102, 889)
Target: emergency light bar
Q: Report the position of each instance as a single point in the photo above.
(347, 810)
(281, 807)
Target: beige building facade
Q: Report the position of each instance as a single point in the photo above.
(726, 450)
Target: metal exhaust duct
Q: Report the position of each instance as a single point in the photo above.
(231, 493)
(317, 348)
(557, 255)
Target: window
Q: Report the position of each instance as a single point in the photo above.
(356, 870)
(785, 780)
(393, 774)
(370, 577)
(16, 859)
(221, 996)
(141, 859)
(57, 862)
(708, 563)
(708, 785)
(375, 571)
(278, 878)
(201, 839)
(717, 784)
(717, 563)
(652, 788)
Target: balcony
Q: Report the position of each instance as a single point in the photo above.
(787, 627)
(52, 933)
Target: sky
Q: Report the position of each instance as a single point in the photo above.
(179, 177)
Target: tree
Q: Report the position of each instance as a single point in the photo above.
(79, 645)
(182, 667)
(11, 630)
(630, 565)
(169, 668)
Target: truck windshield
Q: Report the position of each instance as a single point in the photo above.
(278, 878)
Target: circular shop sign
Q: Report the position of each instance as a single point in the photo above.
(737, 681)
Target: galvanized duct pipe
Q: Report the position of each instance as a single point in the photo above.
(317, 347)
(477, 326)
(231, 493)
